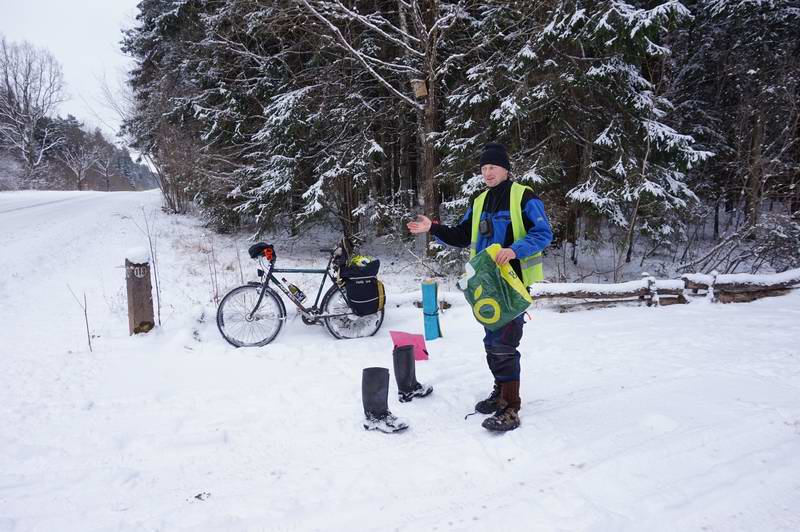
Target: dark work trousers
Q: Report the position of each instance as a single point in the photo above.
(501, 350)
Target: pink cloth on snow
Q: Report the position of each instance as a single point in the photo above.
(417, 340)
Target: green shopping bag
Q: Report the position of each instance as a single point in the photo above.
(494, 292)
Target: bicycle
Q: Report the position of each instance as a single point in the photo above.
(253, 314)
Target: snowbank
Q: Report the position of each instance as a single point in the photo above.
(787, 278)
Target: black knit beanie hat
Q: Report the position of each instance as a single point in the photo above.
(495, 153)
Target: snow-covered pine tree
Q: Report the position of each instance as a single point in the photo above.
(578, 96)
(280, 123)
(166, 73)
(300, 119)
(269, 109)
(408, 57)
(737, 70)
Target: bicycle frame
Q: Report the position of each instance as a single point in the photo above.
(312, 312)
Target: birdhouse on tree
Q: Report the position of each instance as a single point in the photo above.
(420, 89)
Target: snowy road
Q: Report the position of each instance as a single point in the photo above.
(53, 241)
(22, 204)
(678, 418)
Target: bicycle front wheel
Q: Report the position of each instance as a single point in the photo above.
(241, 326)
(345, 323)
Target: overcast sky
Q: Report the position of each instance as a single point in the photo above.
(84, 37)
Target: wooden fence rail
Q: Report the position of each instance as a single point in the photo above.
(724, 288)
(742, 287)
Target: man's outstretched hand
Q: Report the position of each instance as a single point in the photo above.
(421, 225)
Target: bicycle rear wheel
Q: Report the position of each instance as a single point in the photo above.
(241, 329)
(347, 324)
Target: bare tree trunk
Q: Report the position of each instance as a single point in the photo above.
(427, 184)
(794, 202)
(632, 226)
(405, 170)
(429, 163)
(574, 173)
(629, 237)
(571, 178)
(423, 21)
(756, 171)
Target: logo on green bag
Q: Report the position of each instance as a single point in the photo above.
(486, 310)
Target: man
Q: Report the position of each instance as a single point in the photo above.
(508, 214)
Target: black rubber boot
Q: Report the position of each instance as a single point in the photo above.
(490, 404)
(405, 373)
(375, 397)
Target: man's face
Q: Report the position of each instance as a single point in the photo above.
(493, 175)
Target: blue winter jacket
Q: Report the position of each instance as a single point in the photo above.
(496, 208)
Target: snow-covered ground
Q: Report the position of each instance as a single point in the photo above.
(659, 419)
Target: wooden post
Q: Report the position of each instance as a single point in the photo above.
(651, 287)
(140, 297)
(710, 292)
(648, 294)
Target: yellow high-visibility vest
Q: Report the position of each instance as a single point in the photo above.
(532, 270)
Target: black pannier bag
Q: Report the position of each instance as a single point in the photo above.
(363, 288)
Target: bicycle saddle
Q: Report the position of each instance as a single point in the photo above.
(262, 249)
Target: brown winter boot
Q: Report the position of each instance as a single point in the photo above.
(507, 415)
